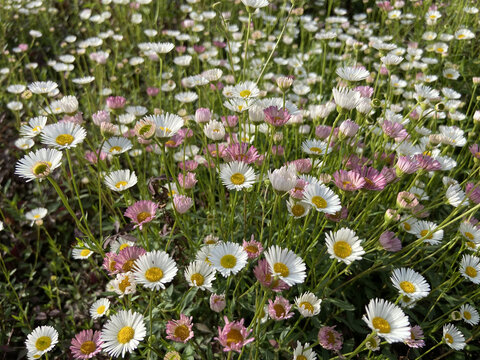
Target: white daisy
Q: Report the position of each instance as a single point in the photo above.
(410, 283)
(471, 233)
(321, 198)
(63, 135)
(246, 90)
(255, 4)
(42, 87)
(166, 125)
(122, 333)
(344, 245)
(99, 308)
(155, 269)
(469, 314)
(453, 337)
(228, 258)
(298, 209)
(34, 127)
(470, 268)
(388, 320)
(302, 352)
(315, 147)
(426, 229)
(116, 145)
(345, 98)
(41, 340)
(24, 143)
(38, 164)
(120, 180)
(81, 253)
(456, 196)
(308, 304)
(237, 175)
(200, 274)
(285, 264)
(353, 73)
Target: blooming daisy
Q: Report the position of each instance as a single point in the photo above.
(99, 308)
(180, 330)
(285, 264)
(346, 99)
(469, 314)
(470, 268)
(141, 212)
(344, 245)
(116, 145)
(266, 279)
(228, 258)
(315, 147)
(154, 269)
(38, 164)
(24, 143)
(453, 337)
(125, 260)
(353, 73)
(298, 209)
(63, 135)
(304, 352)
(123, 284)
(426, 229)
(246, 90)
(166, 125)
(329, 338)
(471, 234)
(283, 179)
(200, 274)
(253, 248)
(308, 304)
(86, 344)
(279, 309)
(42, 87)
(41, 340)
(321, 198)
(237, 175)
(80, 253)
(234, 335)
(416, 337)
(407, 223)
(120, 180)
(36, 215)
(123, 332)
(388, 320)
(34, 127)
(410, 283)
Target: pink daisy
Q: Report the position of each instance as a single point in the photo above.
(241, 152)
(264, 277)
(109, 263)
(86, 344)
(180, 330)
(374, 180)
(276, 116)
(303, 166)
(297, 191)
(394, 130)
(427, 163)
(407, 200)
(390, 242)
(475, 150)
(348, 180)
(473, 192)
(338, 216)
(416, 337)
(406, 165)
(323, 131)
(141, 212)
(329, 338)
(188, 180)
(279, 309)
(253, 248)
(212, 150)
(125, 260)
(217, 302)
(182, 203)
(234, 335)
(189, 165)
(116, 102)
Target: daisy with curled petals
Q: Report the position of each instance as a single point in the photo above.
(99, 308)
(228, 258)
(38, 164)
(200, 274)
(141, 212)
(321, 198)
(387, 320)
(279, 309)
(180, 330)
(308, 304)
(470, 268)
(63, 135)
(86, 344)
(303, 352)
(34, 127)
(469, 314)
(237, 175)
(120, 180)
(288, 266)
(453, 337)
(344, 245)
(123, 332)
(116, 145)
(154, 269)
(41, 340)
(410, 283)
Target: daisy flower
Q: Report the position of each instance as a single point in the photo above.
(86, 344)
(125, 260)
(253, 248)
(425, 229)
(453, 337)
(388, 320)
(79, 253)
(123, 332)
(298, 209)
(321, 198)
(120, 180)
(329, 338)
(63, 135)
(344, 245)
(285, 264)
(123, 284)
(348, 180)
(346, 99)
(34, 127)
(228, 258)
(469, 314)
(42, 87)
(315, 147)
(470, 268)
(234, 335)
(410, 283)
(237, 175)
(407, 223)
(180, 330)
(217, 302)
(99, 308)
(36, 215)
(116, 145)
(24, 143)
(38, 164)
(279, 309)
(200, 274)
(308, 304)
(283, 179)
(303, 352)
(166, 125)
(41, 340)
(246, 90)
(353, 73)
(141, 212)
(264, 277)
(416, 337)
(154, 269)
(471, 233)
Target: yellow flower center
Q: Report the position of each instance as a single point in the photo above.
(101, 309)
(298, 210)
(123, 246)
(128, 265)
(165, 129)
(245, 93)
(36, 216)
(43, 343)
(88, 347)
(424, 233)
(381, 325)
(234, 336)
(316, 150)
(120, 184)
(407, 226)
(469, 235)
(64, 139)
(279, 310)
(281, 269)
(154, 274)
(440, 50)
(237, 179)
(307, 306)
(407, 286)
(319, 202)
(301, 357)
(467, 315)
(143, 216)
(461, 36)
(125, 334)
(471, 245)
(228, 261)
(449, 338)
(342, 249)
(252, 249)
(40, 168)
(115, 149)
(471, 271)
(197, 279)
(85, 252)
(182, 332)
(449, 75)
(36, 129)
(124, 284)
